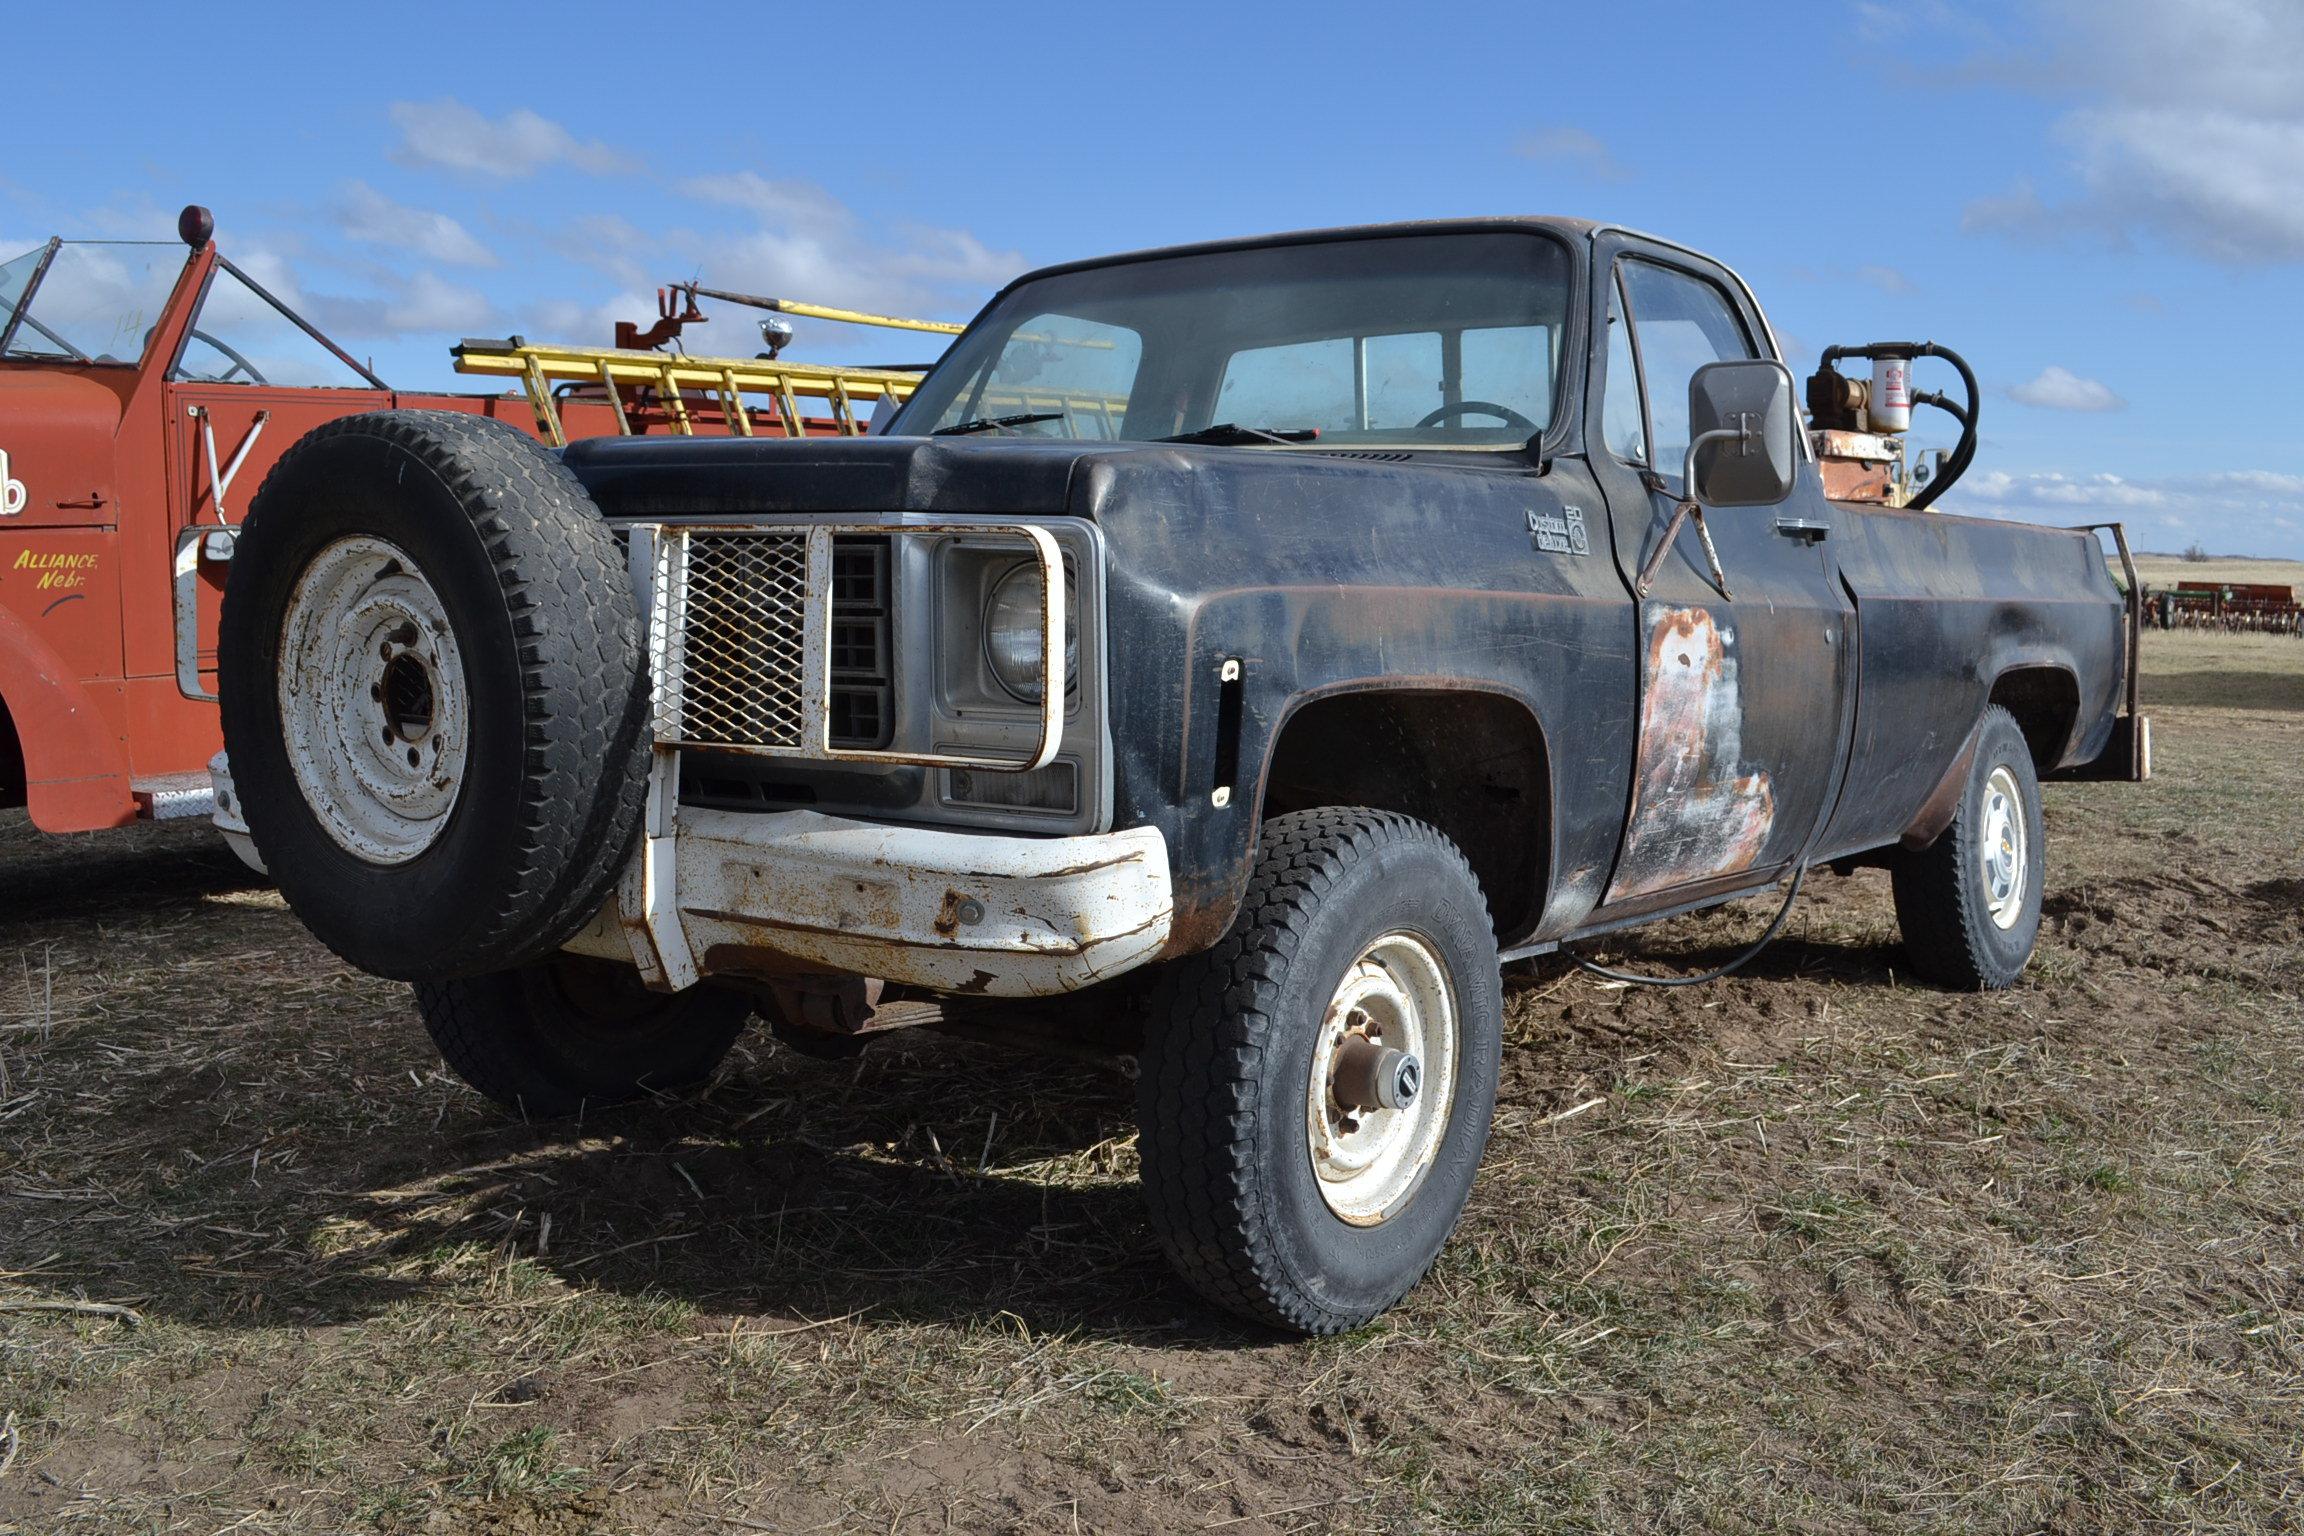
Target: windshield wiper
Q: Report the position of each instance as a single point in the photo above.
(1231, 433)
(996, 423)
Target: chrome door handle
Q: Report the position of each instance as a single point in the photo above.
(1808, 528)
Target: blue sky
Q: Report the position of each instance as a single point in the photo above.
(2100, 204)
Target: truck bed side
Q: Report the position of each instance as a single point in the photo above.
(1954, 613)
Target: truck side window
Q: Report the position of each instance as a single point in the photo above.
(1620, 420)
(241, 337)
(1684, 322)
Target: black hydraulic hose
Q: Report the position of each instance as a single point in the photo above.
(1964, 451)
(1737, 964)
(1944, 404)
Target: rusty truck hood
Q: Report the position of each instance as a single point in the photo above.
(721, 476)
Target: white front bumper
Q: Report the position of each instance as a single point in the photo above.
(745, 893)
(227, 816)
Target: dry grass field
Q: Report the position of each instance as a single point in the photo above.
(2168, 570)
(1814, 1249)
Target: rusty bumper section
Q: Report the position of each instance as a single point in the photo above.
(783, 893)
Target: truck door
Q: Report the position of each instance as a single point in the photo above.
(1742, 700)
(249, 381)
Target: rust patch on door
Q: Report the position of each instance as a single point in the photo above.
(1697, 811)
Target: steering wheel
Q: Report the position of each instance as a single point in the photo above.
(1503, 413)
(239, 363)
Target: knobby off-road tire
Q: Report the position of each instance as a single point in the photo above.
(1969, 903)
(434, 693)
(1351, 914)
(572, 1033)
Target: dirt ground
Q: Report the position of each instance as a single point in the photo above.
(1814, 1249)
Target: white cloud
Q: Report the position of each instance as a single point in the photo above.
(428, 303)
(452, 136)
(2229, 186)
(368, 216)
(1886, 279)
(2060, 389)
(790, 239)
(1881, 25)
(1575, 149)
(2241, 512)
(2187, 125)
(2018, 211)
(1889, 280)
(794, 204)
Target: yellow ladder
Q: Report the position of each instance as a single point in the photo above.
(672, 374)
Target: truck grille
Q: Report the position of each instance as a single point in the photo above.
(735, 662)
(862, 678)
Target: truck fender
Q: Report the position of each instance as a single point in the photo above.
(1220, 866)
(1943, 802)
(75, 769)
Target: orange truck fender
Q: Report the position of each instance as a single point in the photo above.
(75, 765)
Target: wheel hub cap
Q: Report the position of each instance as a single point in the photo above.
(1383, 1078)
(2001, 848)
(373, 700)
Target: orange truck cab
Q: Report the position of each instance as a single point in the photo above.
(146, 389)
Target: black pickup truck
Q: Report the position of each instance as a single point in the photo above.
(1255, 644)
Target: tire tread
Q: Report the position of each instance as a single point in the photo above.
(1212, 1015)
(577, 641)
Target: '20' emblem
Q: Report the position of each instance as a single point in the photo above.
(12, 491)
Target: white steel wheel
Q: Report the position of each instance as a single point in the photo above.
(1383, 1079)
(1315, 1089)
(374, 703)
(1969, 902)
(2000, 850)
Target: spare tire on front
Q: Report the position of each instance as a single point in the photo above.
(434, 693)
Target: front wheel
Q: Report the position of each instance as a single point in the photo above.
(570, 1033)
(1969, 903)
(1317, 1088)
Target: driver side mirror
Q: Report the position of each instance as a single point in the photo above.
(1741, 451)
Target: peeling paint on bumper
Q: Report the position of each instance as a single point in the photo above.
(786, 892)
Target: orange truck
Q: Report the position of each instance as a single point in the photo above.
(146, 388)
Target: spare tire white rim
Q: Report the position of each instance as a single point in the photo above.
(1370, 1158)
(2002, 854)
(374, 703)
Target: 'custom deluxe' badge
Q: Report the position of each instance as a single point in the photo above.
(1561, 535)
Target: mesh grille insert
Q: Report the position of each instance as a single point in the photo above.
(733, 673)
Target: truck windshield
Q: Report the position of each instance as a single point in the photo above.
(91, 301)
(1410, 341)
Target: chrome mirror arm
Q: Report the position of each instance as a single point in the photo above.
(1689, 507)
